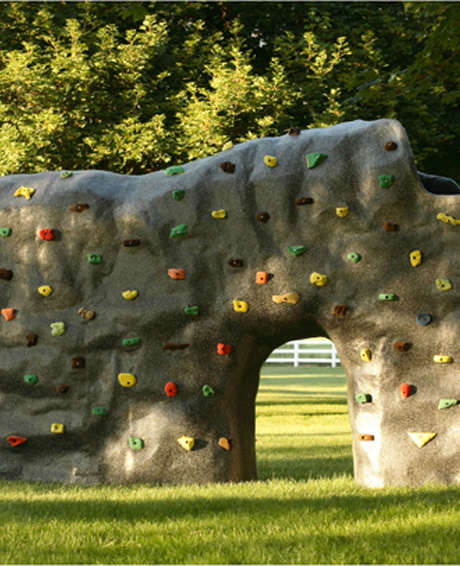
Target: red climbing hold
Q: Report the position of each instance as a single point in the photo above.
(224, 349)
(176, 273)
(47, 234)
(16, 440)
(406, 390)
(171, 389)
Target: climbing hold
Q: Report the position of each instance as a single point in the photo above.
(6, 274)
(342, 212)
(402, 346)
(171, 389)
(57, 328)
(127, 379)
(99, 411)
(178, 231)
(314, 159)
(57, 428)
(24, 192)
(77, 362)
(45, 290)
(292, 298)
(366, 437)
(447, 403)
(208, 391)
(186, 442)
(294, 131)
(46, 234)
(79, 207)
(175, 346)
(176, 273)
(136, 443)
(366, 355)
(32, 340)
(174, 170)
(88, 315)
(94, 259)
(225, 443)
(421, 438)
(240, 306)
(130, 295)
(388, 297)
(340, 310)
(31, 379)
(131, 341)
(386, 181)
(442, 359)
(318, 279)
(416, 258)
(9, 314)
(131, 243)
(227, 145)
(191, 310)
(5, 232)
(178, 195)
(262, 217)
(424, 319)
(262, 277)
(390, 227)
(62, 389)
(443, 284)
(303, 200)
(227, 167)
(391, 146)
(219, 214)
(224, 349)
(270, 161)
(235, 262)
(447, 219)
(354, 257)
(66, 174)
(16, 440)
(363, 398)
(406, 390)
(296, 250)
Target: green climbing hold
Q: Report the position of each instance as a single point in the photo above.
(388, 297)
(99, 411)
(314, 159)
(136, 443)
(5, 232)
(208, 391)
(94, 259)
(354, 257)
(179, 195)
(296, 250)
(131, 341)
(31, 379)
(174, 170)
(363, 398)
(66, 174)
(386, 181)
(191, 310)
(447, 403)
(57, 328)
(178, 231)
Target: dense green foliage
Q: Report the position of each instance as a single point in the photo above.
(131, 87)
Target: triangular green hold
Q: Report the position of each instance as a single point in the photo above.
(179, 195)
(296, 250)
(178, 231)
(447, 403)
(314, 159)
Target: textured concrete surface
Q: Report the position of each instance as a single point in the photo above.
(275, 250)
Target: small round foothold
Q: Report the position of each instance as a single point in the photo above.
(391, 146)
(236, 262)
(94, 259)
(82, 311)
(406, 390)
(208, 391)
(262, 217)
(424, 319)
(89, 315)
(171, 389)
(354, 257)
(227, 167)
(294, 131)
(46, 234)
(303, 200)
(32, 340)
(136, 443)
(62, 389)
(31, 379)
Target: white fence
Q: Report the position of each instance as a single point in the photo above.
(313, 351)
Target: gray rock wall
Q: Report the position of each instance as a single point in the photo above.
(100, 409)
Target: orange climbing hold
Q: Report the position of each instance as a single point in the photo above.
(176, 273)
(224, 349)
(406, 390)
(9, 314)
(262, 277)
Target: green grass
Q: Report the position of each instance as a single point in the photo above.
(306, 509)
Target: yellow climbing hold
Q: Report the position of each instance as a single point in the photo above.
(130, 295)
(342, 212)
(441, 359)
(421, 438)
(447, 219)
(240, 306)
(366, 354)
(443, 284)
(45, 290)
(270, 161)
(186, 442)
(57, 428)
(24, 192)
(416, 258)
(127, 379)
(292, 298)
(219, 213)
(318, 279)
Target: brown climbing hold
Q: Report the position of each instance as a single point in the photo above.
(131, 243)
(32, 340)
(227, 167)
(390, 226)
(391, 146)
(88, 315)
(303, 200)
(8, 314)
(16, 440)
(176, 273)
(406, 390)
(262, 217)
(402, 346)
(174, 346)
(262, 277)
(6, 274)
(225, 443)
(77, 362)
(224, 349)
(62, 389)
(235, 262)
(294, 131)
(340, 310)
(79, 207)
(366, 437)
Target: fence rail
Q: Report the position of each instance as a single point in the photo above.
(313, 351)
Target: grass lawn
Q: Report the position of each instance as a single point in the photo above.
(305, 509)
